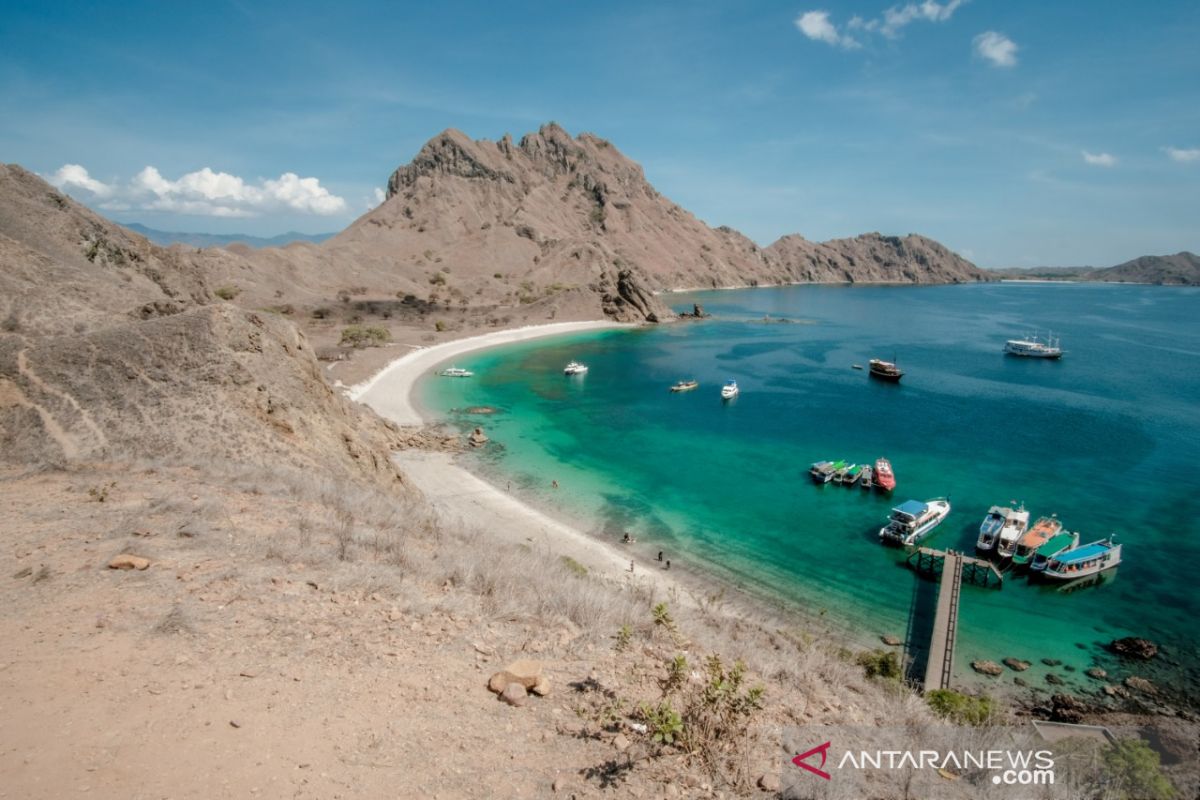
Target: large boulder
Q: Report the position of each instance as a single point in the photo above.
(526, 672)
(1134, 647)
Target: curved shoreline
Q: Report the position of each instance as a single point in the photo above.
(389, 391)
(461, 494)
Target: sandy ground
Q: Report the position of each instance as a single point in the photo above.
(457, 493)
(389, 390)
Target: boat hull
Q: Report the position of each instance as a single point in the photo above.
(912, 535)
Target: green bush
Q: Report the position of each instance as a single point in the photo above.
(879, 664)
(963, 709)
(227, 292)
(1132, 770)
(575, 566)
(664, 723)
(365, 336)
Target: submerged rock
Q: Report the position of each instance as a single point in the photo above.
(1016, 664)
(987, 668)
(1051, 662)
(893, 641)
(1097, 673)
(1134, 647)
(1053, 679)
(477, 438)
(1141, 684)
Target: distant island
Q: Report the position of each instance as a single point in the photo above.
(1181, 269)
(168, 238)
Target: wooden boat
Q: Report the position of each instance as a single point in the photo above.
(1014, 528)
(885, 479)
(840, 475)
(912, 521)
(852, 475)
(685, 386)
(989, 529)
(1033, 347)
(867, 477)
(1057, 544)
(1081, 562)
(885, 370)
(823, 471)
(1045, 529)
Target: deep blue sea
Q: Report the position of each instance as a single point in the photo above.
(1108, 439)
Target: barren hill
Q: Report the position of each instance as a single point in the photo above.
(872, 258)
(1181, 269)
(114, 347)
(555, 224)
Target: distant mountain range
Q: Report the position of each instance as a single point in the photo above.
(1181, 269)
(168, 238)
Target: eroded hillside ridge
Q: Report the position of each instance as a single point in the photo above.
(113, 347)
(563, 194)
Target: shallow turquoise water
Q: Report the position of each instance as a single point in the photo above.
(1105, 438)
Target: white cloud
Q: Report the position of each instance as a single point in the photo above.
(379, 195)
(1184, 156)
(1099, 159)
(816, 25)
(897, 17)
(73, 176)
(996, 48)
(205, 193)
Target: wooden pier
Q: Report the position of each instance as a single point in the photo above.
(953, 568)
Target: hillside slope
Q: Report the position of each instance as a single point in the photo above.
(114, 347)
(1181, 269)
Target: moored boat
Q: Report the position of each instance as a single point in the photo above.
(1014, 528)
(1080, 562)
(1033, 347)
(840, 474)
(823, 471)
(885, 370)
(989, 529)
(1058, 543)
(729, 390)
(885, 479)
(852, 475)
(1042, 531)
(685, 386)
(912, 521)
(868, 476)
(456, 372)
(575, 368)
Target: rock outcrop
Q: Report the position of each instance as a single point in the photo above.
(1134, 647)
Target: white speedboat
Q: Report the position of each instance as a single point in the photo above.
(729, 390)
(575, 368)
(989, 530)
(456, 372)
(1080, 562)
(1033, 347)
(1014, 528)
(912, 520)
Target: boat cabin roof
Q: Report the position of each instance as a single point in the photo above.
(913, 508)
(1083, 553)
(1055, 543)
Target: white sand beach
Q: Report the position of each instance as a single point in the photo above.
(389, 390)
(461, 494)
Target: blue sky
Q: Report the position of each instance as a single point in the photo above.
(1018, 133)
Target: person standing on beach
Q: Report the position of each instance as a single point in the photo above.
(668, 563)
(660, 556)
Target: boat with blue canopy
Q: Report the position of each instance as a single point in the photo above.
(912, 520)
(1080, 562)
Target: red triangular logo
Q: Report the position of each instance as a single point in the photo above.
(823, 749)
